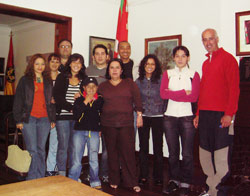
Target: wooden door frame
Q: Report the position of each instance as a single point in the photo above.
(63, 24)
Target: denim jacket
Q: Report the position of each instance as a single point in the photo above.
(150, 94)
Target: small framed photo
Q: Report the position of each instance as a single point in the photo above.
(245, 69)
(163, 47)
(1, 83)
(109, 43)
(242, 20)
(1, 65)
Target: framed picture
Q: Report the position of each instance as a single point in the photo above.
(245, 69)
(162, 47)
(1, 65)
(242, 20)
(1, 83)
(109, 43)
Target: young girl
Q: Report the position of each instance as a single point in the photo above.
(181, 87)
(66, 86)
(149, 83)
(34, 112)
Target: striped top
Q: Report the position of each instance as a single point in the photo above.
(71, 91)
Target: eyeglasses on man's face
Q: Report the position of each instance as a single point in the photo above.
(65, 46)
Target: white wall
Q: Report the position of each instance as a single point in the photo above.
(4, 43)
(89, 18)
(30, 38)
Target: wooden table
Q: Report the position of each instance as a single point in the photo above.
(49, 186)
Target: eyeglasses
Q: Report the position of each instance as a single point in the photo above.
(67, 46)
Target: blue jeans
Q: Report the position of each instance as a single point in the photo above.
(64, 129)
(53, 142)
(35, 134)
(174, 128)
(79, 140)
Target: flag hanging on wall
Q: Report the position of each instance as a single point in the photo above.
(10, 72)
(122, 25)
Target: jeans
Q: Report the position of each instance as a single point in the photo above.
(53, 142)
(64, 129)
(157, 132)
(79, 140)
(104, 162)
(35, 134)
(174, 128)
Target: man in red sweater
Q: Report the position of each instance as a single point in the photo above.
(218, 103)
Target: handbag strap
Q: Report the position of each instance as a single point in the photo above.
(16, 136)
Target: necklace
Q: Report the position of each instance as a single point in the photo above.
(38, 80)
(115, 82)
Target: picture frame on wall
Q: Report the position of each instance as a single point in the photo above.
(2, 65)
(1, 83)
(242, 21)
(163, 47)
(109, 43)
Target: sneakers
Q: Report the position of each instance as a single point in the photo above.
(105, 179)
(204, 193)
(87, 178)
(171, 187)
(51, 173)
(98, 188)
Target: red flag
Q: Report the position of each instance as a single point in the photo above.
(122, 25)
(10, 72)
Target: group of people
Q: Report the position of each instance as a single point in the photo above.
(77, 106)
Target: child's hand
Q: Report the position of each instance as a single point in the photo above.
(88, 98)
(77, 95)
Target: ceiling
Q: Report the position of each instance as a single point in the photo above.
(8, 20)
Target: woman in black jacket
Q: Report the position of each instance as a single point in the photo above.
(34, 113)
(66, 86)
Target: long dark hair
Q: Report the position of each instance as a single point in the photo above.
(30, 73)
(156, 75)
(74, 57)
(107, 76)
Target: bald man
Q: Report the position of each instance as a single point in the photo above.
(217, 105)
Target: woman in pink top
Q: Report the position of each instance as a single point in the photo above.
(180, 87)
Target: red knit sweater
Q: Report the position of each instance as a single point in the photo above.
(219, 88)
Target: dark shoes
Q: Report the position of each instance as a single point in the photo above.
(171, 187)
(158, 182)
(184, 191)
(204, 193)
(51, 173)
(143, 181)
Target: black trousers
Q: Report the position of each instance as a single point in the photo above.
(120, 143)
(177, 128)
(156, 123)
